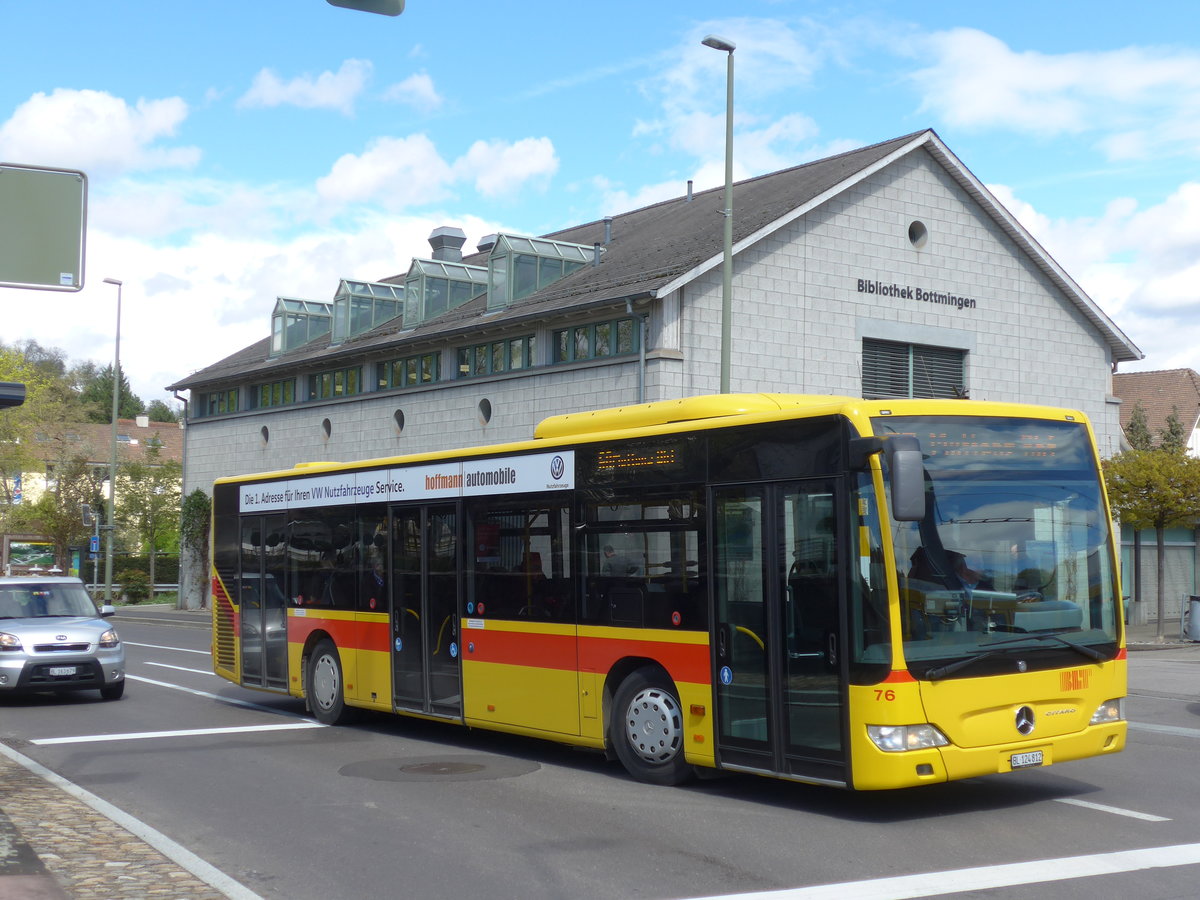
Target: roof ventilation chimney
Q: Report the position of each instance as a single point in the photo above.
(486, 243)
(689, 193)
(596, 254)
(447, 242)
(607, 230)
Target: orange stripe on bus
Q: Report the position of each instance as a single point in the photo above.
(899, 676)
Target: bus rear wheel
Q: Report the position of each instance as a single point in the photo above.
(647, 729)
(324, 685)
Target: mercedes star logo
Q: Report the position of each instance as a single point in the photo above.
(1025, 720)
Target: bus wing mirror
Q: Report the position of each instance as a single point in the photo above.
(907, 471)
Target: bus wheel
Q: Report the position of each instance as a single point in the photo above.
(323, 685)
(647, 729)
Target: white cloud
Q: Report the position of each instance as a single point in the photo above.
(329, 90)
(1142, 266)
(498, 167)
(396, 173)
(417, 91)
(96, 132)
(1138, 100)
(393, 173)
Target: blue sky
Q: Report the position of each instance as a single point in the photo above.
(241, 151)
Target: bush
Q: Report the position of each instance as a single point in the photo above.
(135, 585)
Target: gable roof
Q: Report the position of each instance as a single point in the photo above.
(1160, 393)
(659, 248)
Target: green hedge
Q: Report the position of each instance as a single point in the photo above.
(166, 566)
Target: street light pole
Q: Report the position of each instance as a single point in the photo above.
(727, 47)
(110, 522)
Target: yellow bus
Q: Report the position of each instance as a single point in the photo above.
(862, 593)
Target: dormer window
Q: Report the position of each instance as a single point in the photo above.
(518, 266)
(295, 323)
(435, 286)
(358, 306)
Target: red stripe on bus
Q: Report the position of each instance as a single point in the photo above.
(515, 648)
(684, 662)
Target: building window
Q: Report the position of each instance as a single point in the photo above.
(619, 337)
(494, 357)
(274, 393)
(334, 384)
(408, 372)
(214, 403)
(892, 369)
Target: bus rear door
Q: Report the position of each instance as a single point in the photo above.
(425, 567)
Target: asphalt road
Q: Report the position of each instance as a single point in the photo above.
(404, 808)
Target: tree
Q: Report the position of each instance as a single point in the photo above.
(58, 513)
(1173, 438)
(158, 411)
(96, 395)
(194, 529)
(1156, 489)
(1138, 430)
(149, 495)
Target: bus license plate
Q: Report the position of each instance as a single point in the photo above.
(61, 670)
(1024, 760)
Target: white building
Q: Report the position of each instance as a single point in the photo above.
(885, 271)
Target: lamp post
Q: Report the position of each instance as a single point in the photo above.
(719, 43)
(110, 522)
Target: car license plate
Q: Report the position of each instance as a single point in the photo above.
(61, 670)
(1024, 760)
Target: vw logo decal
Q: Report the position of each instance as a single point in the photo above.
(557, 467)
(1025, 720)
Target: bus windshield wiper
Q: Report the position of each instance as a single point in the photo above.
(939, 672)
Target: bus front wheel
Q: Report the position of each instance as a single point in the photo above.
(323, 686)
(647, 729)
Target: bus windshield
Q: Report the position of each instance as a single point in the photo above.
(1012, 555)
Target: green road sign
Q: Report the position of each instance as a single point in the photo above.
(43, 221)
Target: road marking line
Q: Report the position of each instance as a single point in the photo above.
(182, 669)
(233, 701)
(1166, 729)
(186, 732)
(1115, 810)
(161, 647)
(175, 852)
(933, 884)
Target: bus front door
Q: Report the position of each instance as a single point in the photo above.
(779, 692)
(261, 599)
(425, 568)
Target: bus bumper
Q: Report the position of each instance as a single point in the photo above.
(877, 770)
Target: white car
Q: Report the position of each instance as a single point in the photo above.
(52, 638)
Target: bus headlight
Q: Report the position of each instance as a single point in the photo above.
(1109, 711)
(898, 738)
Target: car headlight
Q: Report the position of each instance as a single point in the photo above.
(1109, 711)
(898, 738)
(109, 639)
(9, 641)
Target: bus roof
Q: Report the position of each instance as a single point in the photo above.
(701, 412)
